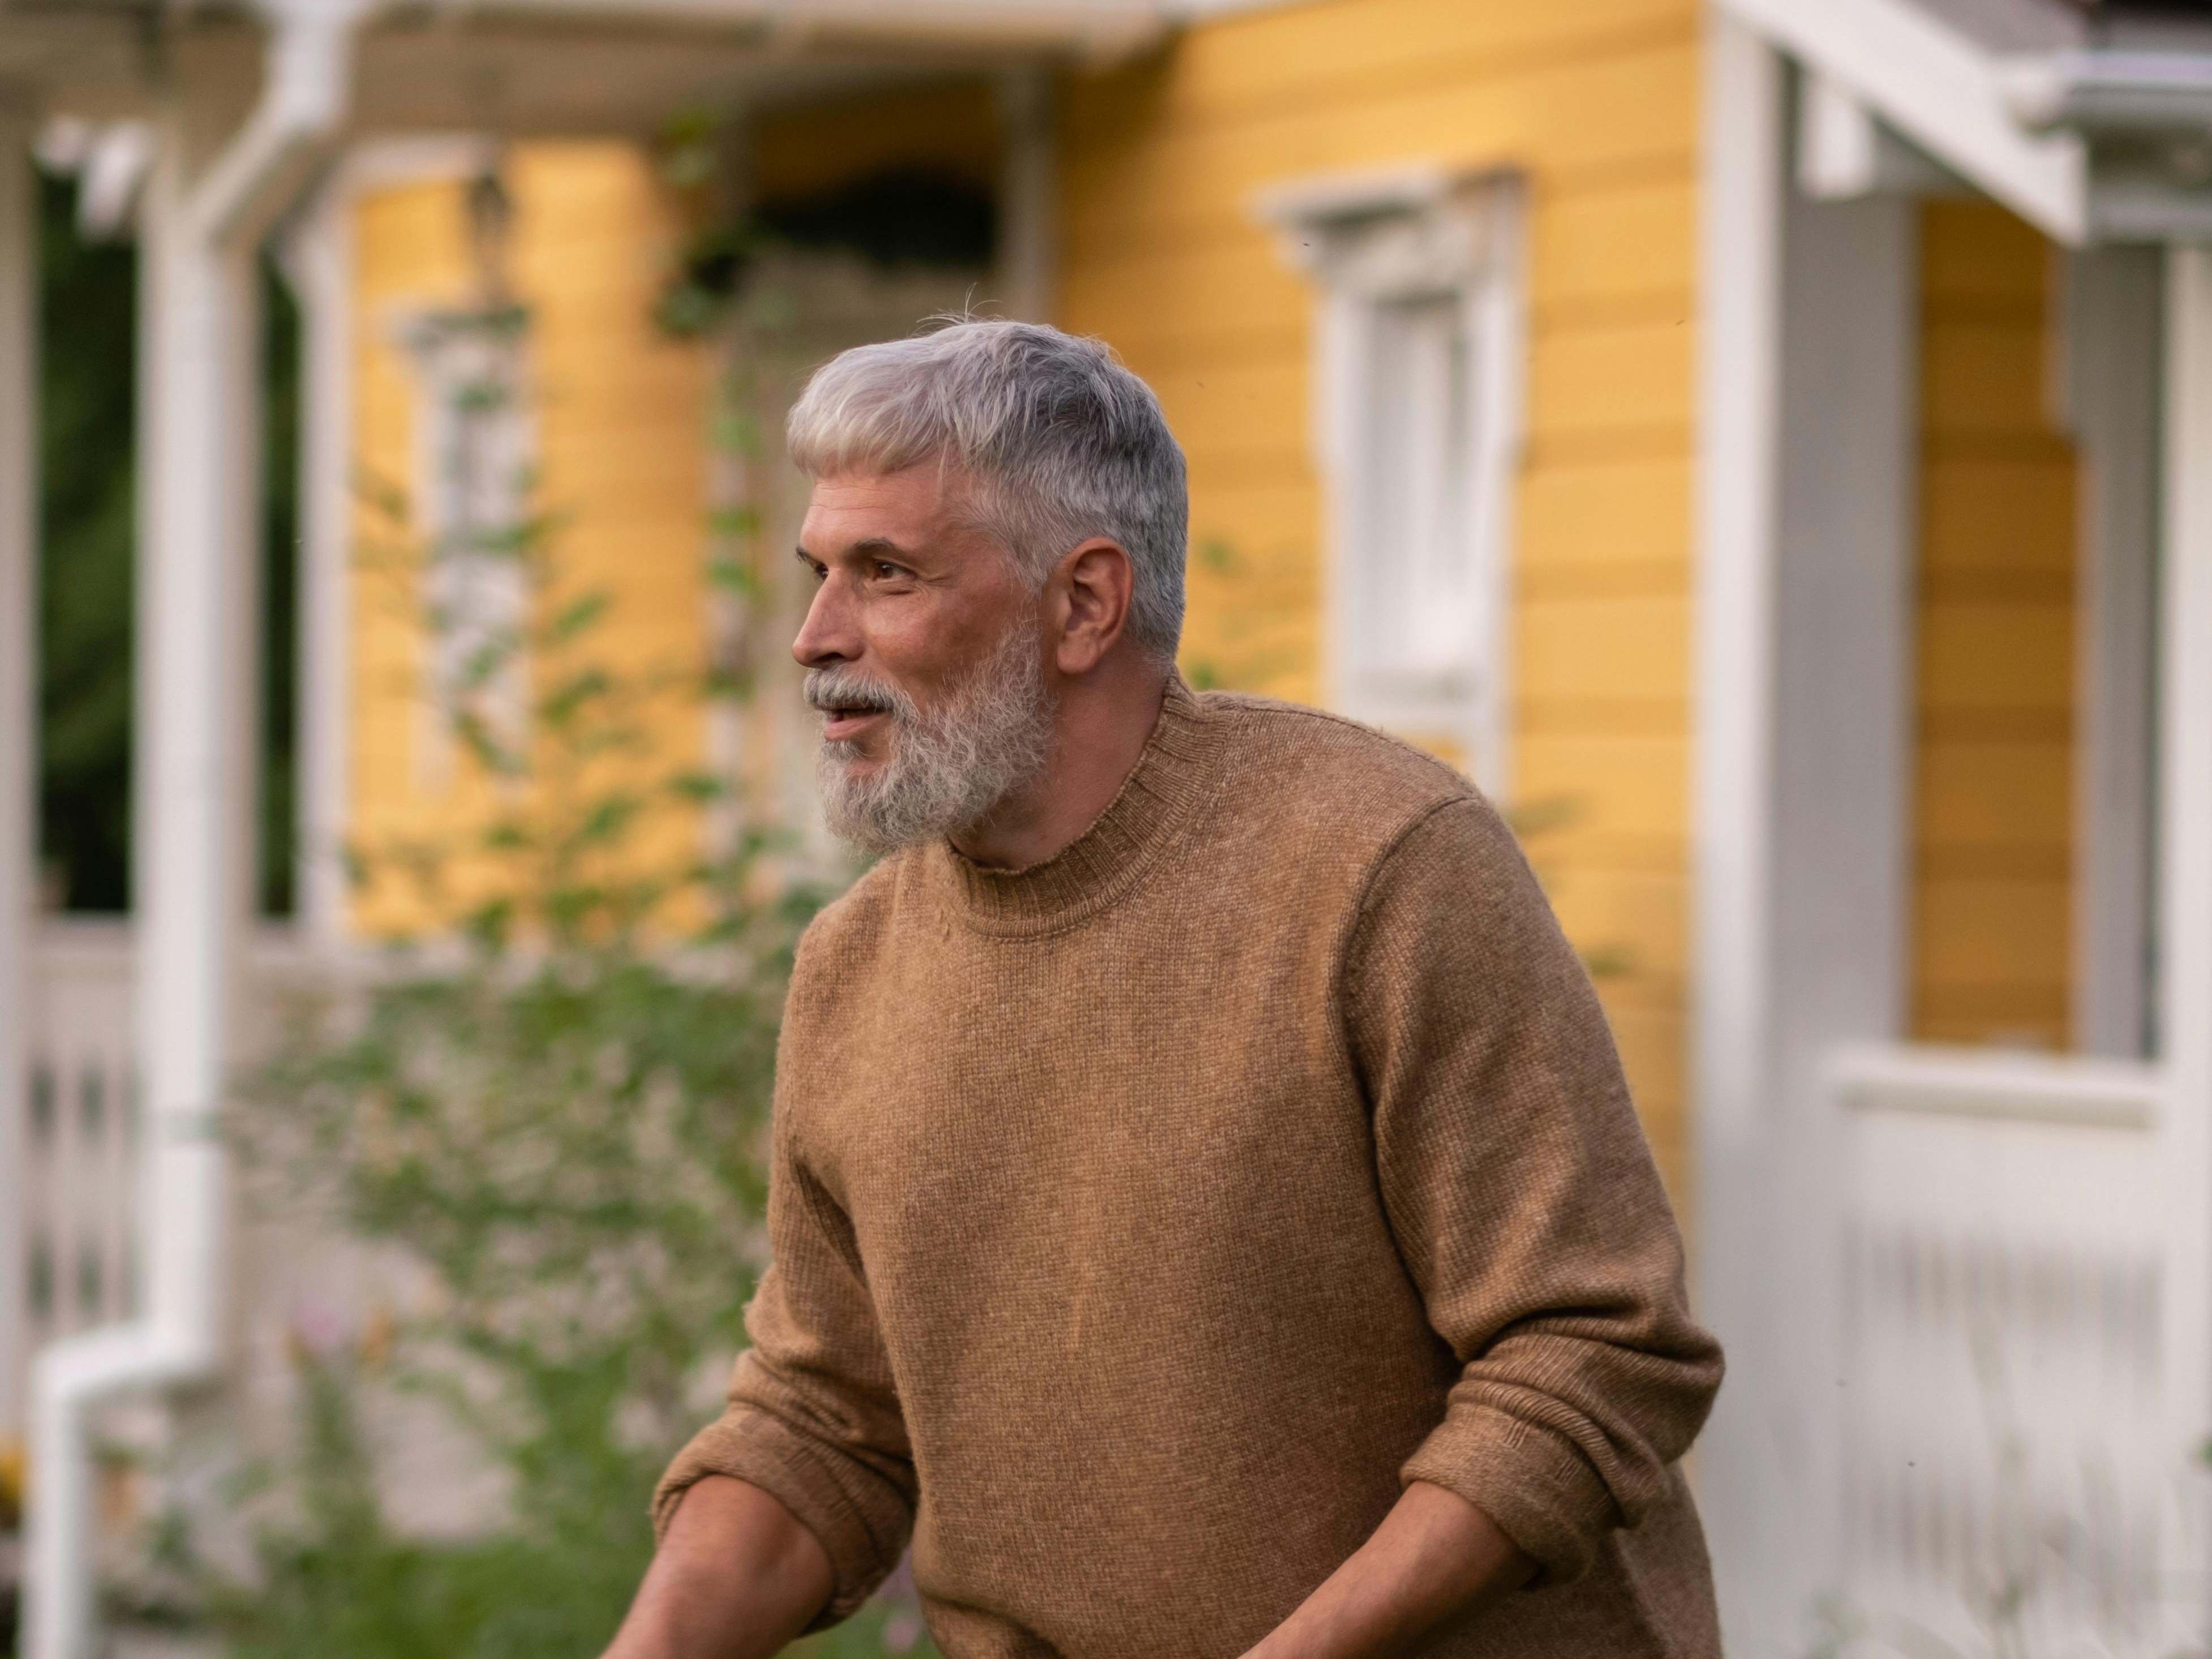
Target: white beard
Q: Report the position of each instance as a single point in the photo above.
(944, 771)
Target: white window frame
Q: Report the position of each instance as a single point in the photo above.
(471, 472)
(1372, 241)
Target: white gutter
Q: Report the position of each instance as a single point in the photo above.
(199, 243)
(2112, 91)
(1094, 31)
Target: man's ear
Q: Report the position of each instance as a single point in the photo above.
(1090, 594)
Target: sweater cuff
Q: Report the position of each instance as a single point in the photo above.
(754, 1446)
(1533, 1482)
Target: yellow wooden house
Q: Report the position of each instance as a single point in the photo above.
(1758, 440)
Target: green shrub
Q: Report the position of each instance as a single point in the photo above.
(549, 1099)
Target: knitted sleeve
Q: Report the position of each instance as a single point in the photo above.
(812, 1417)
(1523, 1197)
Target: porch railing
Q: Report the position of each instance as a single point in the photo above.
(80, 1145)
(80, 1142)
(2009, 1482)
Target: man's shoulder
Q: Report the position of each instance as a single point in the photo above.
(848, 928)
(1317, 778)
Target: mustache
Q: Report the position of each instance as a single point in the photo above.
(836, 690)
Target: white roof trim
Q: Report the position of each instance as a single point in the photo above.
(1099, 27)
(1942, 90)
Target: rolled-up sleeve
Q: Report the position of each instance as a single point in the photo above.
(813, 1416)
(1522, 1196)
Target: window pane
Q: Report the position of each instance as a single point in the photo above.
(1415, 573)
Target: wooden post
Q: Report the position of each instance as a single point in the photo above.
(1028, 201)
(2114, 344)
(317, 259)
(19, 797)
(197, 498)
(1803, 764)
(2185, 919)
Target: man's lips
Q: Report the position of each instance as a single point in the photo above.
(840, 723)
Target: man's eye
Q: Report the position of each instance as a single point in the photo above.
(886, 571)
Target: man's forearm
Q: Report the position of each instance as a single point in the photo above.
(1435, 1556)
(736, 1576)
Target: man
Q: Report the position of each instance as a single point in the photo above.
(1206, 1213)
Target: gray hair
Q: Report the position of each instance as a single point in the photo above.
(1056, 440)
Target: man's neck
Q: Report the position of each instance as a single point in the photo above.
(1099, 734)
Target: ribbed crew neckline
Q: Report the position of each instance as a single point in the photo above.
(1172, 778)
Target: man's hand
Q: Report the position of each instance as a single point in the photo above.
(1435, 1556)
(736, 1576)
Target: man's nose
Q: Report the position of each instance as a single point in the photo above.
(829, 636)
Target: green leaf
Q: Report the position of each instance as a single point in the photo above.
(1217, 554)
(579, 615)
(698, 787)
(741, 520)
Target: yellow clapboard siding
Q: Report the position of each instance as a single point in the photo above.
(1237, 525)
(1602, 379)
(1638, 237)
(2008, 515)
(1250, 396)
(1602, 255)
(1993, 808)
(1984, 932)
(1995, 655)
(1640, 914)
(1986, 795)
(1595, 104)
(1268, 58)
(1564, 581)
(1629, 511)
(1650, 1041)
(1976, 251)
(1650, 1046)
(1979, 378)
(1628, 647)
(1122, 291)
(1626, 111)
(1607, 783)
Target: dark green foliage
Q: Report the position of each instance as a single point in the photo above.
(280, 594)
(895, 218)
(552, 1101)
(88, 452)
(85, 330)
(340, 1583)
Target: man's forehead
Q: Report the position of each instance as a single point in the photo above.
(908, 508)
(916, 492)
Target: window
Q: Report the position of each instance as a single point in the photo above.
(473, 452)
(1416, 430)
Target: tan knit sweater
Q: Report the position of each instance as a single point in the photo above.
(1143, 1220)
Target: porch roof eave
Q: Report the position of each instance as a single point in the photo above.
(2090, 134)
(563, 66)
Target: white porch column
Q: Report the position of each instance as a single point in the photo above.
(1808, 323)
(199, 575)
(318, 261)
(198, 511)
(2114, 338)
(2185, 920)
(19, 798)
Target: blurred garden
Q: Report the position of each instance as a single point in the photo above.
(541, 1107)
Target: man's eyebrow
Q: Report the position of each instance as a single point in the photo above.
(873, 547)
